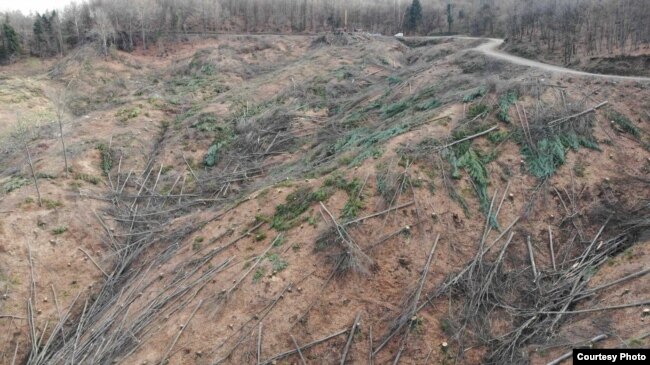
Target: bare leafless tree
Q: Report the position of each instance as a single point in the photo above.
(103, 28)
(60, 99)
(22, 134)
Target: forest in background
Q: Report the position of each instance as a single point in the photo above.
(569, 27)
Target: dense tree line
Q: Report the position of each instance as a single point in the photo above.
(613, 26)
(590, 26)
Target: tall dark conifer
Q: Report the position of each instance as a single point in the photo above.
(9, 42)
(413, 16)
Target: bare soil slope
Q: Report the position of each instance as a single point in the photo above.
(234, 198)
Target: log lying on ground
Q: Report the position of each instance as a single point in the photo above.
(590, 110)
(568, 354)
(305, 347)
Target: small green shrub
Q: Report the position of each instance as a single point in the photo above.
(51, 204)
(474, 94)
(351, 208)
(207, 122)
(624, 123)
(13, 183)
(277, 263)
(544, 160)
(279, 242)
(222, 139)
(126, 114)
(322, 194)
(88, 178)
(45, 175)
(106, 156)
(263, 218)
(392, 80)
(59, 230)
(212, 156)
(354, 120)
(296, 203)
(474, 165)
(505, 101)
(352, 188)
(476, 110)
(396, 108)
(259, 274)
(428, 105)
(497, 137)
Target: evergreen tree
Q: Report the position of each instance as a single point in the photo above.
(9, 42)
(414, 16)
(46, 40)
(450, 16)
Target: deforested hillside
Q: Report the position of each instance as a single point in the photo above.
(337, 198)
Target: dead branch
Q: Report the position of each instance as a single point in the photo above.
(550, 242)
(370, 354)
(259, 259)
(350, 337)
(304, 347)
(590, 110)
(13, 361)
(532, 258)
(295, 343)
(613, 307)
(180, 332)
(242, 330)
(356, 258)
(625, 278)
(378, 213)
(570, 353)
(468, 138)
(322, 288)
(11, 316)
(93, 261)
(198, 182)
(259, 344)
(412, 308)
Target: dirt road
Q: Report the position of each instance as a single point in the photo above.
(490, 48)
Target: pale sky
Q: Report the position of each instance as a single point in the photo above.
(33, 5)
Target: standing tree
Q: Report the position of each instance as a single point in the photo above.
(450, 16)
(414, 16)
(9, 42)
(60, 101)
(22, 135)
(103, 29)
(47, 36)
(143, 9)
